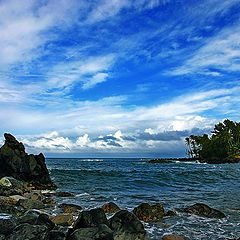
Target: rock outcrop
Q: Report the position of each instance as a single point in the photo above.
(126, 226)
(110, 208)
(147, 213)
(204, 211)
(15, 162)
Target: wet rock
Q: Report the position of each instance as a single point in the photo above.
(56, 235)
(16, 198)
(30, 217)
(102, 232)
(91, 218)
(70, 208)
(7, 225)
(4, 182)
(28, 231)
(64, 219)
(10, 210)
(31, 204)
(8, 201)
(171, 213)
(173, 237)
(204, 210)
(17, 187)
(43, 219)
(147, 213)
(49, 200)
(126, 226)
(63, 194)
(110, 208)
(17, 163)
(34, 195)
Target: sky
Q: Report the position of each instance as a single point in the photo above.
(117, 78)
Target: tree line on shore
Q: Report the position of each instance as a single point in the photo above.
(222, 144)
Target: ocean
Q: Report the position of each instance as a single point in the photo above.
(129, 182)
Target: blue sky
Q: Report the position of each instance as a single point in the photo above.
(117, 78)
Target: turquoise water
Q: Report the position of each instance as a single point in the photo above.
(129, 182)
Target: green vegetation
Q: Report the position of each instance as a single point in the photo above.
(224, 143)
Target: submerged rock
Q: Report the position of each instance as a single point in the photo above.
(147, 213)
(204, 210)
(15, 162)
(126, 226)
(63, 194)
(110, 208)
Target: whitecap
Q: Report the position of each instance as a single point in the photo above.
(82, 194)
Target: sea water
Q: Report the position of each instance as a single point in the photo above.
(129, 182)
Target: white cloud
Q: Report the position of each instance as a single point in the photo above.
(221, 51)
(97, 78)
(65, 75)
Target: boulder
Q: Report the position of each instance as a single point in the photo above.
(34, 195)
(64, 219)
(102, 232)
(110, 208)
(30, 204)
(30, 217)
(204, 211)
(126, 226)
(49, 200)
(91, 218)
(172, 237)
(43, 219)
(56, 235)
(15, 162)
(147, 213)
(15, 187)
(63, 194)
(28, 231)
(70, 208)
(8, 201)
(171, 213)
(7, 224)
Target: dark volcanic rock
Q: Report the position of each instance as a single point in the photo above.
(110, 208)
(63, 194)
(56, 235)
(149, 213)
(31, 204)
(14, 187)
(27, 231)
(204, 210)
(7, 225)
(70, 208)
(92, 218)
(15, 162)
(89, 219)
(102, 232)
(126, 226)
(43, 219)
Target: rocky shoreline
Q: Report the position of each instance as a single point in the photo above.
(28, 211)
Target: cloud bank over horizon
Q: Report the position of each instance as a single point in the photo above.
(117, 78)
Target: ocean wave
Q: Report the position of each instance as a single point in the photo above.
(92, 160)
